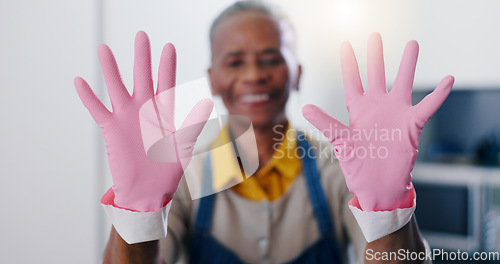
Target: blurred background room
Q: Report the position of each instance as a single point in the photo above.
(53, 161)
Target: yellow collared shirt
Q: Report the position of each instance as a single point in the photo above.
(268, 183)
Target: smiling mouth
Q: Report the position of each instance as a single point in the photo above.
(254, 98)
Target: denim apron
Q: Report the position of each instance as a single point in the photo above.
(206, 249)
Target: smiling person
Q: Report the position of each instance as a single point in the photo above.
(307, 208)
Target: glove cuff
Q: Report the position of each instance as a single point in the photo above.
(136, 227)
(377, 224)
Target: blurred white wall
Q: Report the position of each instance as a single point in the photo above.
(48, 190)
(54, 169)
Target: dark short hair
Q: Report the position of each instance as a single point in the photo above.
(252, 5)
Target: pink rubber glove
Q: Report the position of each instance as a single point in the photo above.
(139, 183)
(377, 151)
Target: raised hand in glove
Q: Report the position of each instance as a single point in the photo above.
(140, 183)
(377, 151)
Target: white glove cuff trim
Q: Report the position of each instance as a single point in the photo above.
(377, 224)
(137, 227)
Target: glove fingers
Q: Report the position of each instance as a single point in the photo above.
(329, 126)
(143, 79)
(198, 116)
(376, 70)
(191, 128)
(166, 84)
(406, 72)
(431, 103)
(97, 110)
(118, 94)
(166, 74)
(350, 73)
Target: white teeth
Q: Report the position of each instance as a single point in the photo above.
(254, 98)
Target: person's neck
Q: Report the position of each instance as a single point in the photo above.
(266, 138)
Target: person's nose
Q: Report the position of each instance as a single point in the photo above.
(255, 74)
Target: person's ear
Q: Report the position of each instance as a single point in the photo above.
(209, 71)
(297, 81)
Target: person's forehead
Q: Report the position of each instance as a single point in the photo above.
(247, 30)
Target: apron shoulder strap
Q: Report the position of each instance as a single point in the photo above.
(313, 182)
(205, 208)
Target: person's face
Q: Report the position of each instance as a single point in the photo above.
(248, 69)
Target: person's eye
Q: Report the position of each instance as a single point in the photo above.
(271, 61)
(235, 63)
